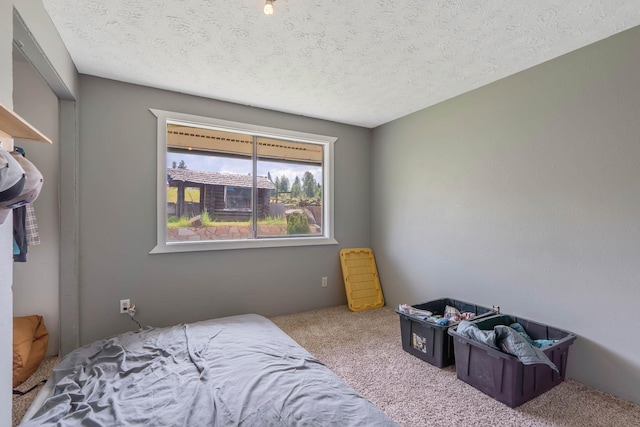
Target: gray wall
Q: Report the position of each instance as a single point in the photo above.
(35, 283)
(40, 43)
(48, 52)
(54, 56)
(118, 168)
(6, 231)
(526, 194)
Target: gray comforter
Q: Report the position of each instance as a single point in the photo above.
(234, 371)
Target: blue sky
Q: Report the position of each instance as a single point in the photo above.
(241, 166)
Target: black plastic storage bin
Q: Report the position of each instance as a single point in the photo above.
(429, 341)
(501, 375)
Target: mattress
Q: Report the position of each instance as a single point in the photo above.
(233, 371)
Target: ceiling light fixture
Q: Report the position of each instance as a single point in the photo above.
(268, 7)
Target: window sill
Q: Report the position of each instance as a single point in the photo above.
(241, 244)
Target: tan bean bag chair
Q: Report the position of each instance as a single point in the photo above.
(30, 341)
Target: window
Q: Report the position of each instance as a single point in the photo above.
(237, 197)
(228, 185)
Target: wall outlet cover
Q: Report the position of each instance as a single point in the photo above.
(124, 305)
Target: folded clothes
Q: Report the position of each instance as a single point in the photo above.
(412, 311)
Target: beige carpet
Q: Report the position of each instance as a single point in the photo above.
(21, 403)
(365, 349)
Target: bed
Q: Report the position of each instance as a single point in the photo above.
(233, 371)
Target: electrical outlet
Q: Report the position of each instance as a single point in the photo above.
(324, 282)
(124, 305)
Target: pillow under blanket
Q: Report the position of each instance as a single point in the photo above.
(30, 341)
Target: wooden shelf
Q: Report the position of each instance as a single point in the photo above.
(16, 127)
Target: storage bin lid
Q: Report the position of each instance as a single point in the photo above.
(361, 280)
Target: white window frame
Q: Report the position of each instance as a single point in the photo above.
(162, 246)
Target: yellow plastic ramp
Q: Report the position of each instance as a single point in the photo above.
(361, 279)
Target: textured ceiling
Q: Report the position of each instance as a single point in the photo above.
(362, 62)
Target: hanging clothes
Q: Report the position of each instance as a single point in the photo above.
(33, 234)
(20, 234)
(30, 191)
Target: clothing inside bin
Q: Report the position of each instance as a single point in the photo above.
(451, 314)
(511, 340)
(454, 315)
(536, 343)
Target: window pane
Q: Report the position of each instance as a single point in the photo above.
(209, 184)
(295, 206)
(237, 198)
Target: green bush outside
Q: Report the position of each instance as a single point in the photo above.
(205, 218)
(298, 224)
(208, 221)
